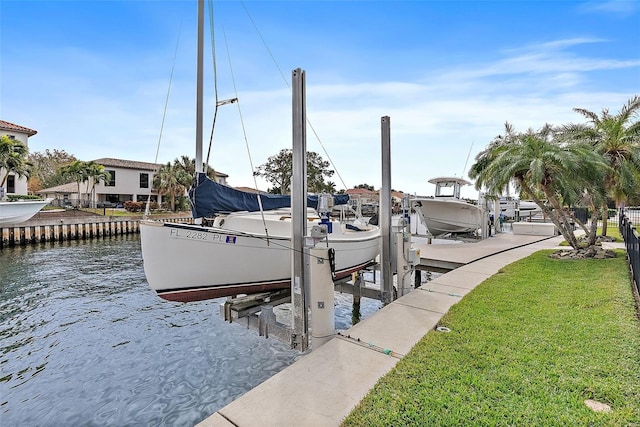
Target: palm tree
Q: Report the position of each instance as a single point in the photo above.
(189, 166)
(170, 180)
(76, 171)
(186, 163)
(535, 163)
(617, 139)
(95, 173)
(13, 158)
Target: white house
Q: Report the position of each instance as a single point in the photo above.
(15, 184)
(129, 180)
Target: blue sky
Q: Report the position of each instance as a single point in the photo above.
(92, 77)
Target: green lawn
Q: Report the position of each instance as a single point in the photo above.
(612, 232)
(526, 348)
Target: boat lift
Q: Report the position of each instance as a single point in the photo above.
(312, 284)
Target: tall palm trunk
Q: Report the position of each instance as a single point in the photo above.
(559, 218)
(555, 214)
(605, 218)
(593, 229)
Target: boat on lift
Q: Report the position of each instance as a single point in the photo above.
(446, 212)
(244, 242)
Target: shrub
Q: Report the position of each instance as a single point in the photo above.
(132, 206)
(14, 197)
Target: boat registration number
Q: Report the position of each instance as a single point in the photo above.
(202, 236)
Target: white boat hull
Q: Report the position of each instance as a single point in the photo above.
(20, 211)
(191, 262)
(444, 216)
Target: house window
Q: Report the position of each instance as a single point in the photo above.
(11, 136)
(11, 184)
(144, 180)
(112, 180)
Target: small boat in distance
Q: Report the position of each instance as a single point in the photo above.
(446, 212)
(512, 208)
(20, 210)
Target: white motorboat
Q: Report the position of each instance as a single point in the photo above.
(20, 210)
(446, 212)
(512, 208)
(248, 246)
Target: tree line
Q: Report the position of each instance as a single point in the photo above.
(57, 167)
(560, 167)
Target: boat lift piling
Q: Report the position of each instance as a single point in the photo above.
(406, 260)
(312, 283)
(386, 260)
(300, 254)
(323, 322)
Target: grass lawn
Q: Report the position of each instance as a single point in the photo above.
(527, 347)
(612, 232)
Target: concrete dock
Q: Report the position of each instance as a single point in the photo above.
(324, 386)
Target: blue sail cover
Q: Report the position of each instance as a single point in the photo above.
(209, 198)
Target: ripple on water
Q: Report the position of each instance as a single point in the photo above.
(84, 341)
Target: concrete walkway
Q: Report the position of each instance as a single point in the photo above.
(324, 386)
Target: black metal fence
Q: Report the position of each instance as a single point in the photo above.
(629, 219)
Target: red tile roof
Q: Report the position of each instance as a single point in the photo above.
(16, 128)
(361, 191)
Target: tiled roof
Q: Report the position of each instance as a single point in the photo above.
(71, 187)
(16, 128)
(361, 191)
(127, 164)
(132, 164)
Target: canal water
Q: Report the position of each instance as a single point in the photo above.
(84, 341)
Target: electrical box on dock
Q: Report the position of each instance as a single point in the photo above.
(414, 256)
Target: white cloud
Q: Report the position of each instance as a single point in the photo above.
(617, 7)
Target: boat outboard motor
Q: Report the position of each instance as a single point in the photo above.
(325, 212)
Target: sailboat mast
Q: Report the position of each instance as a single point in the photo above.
(199, 86)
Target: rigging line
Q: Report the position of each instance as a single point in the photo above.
(215, 84)
(244, 133)
(164, 115)
(467, 161)
(286, 82)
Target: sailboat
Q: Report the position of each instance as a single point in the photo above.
(20, 210)
(244, 243)
(446, 212)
